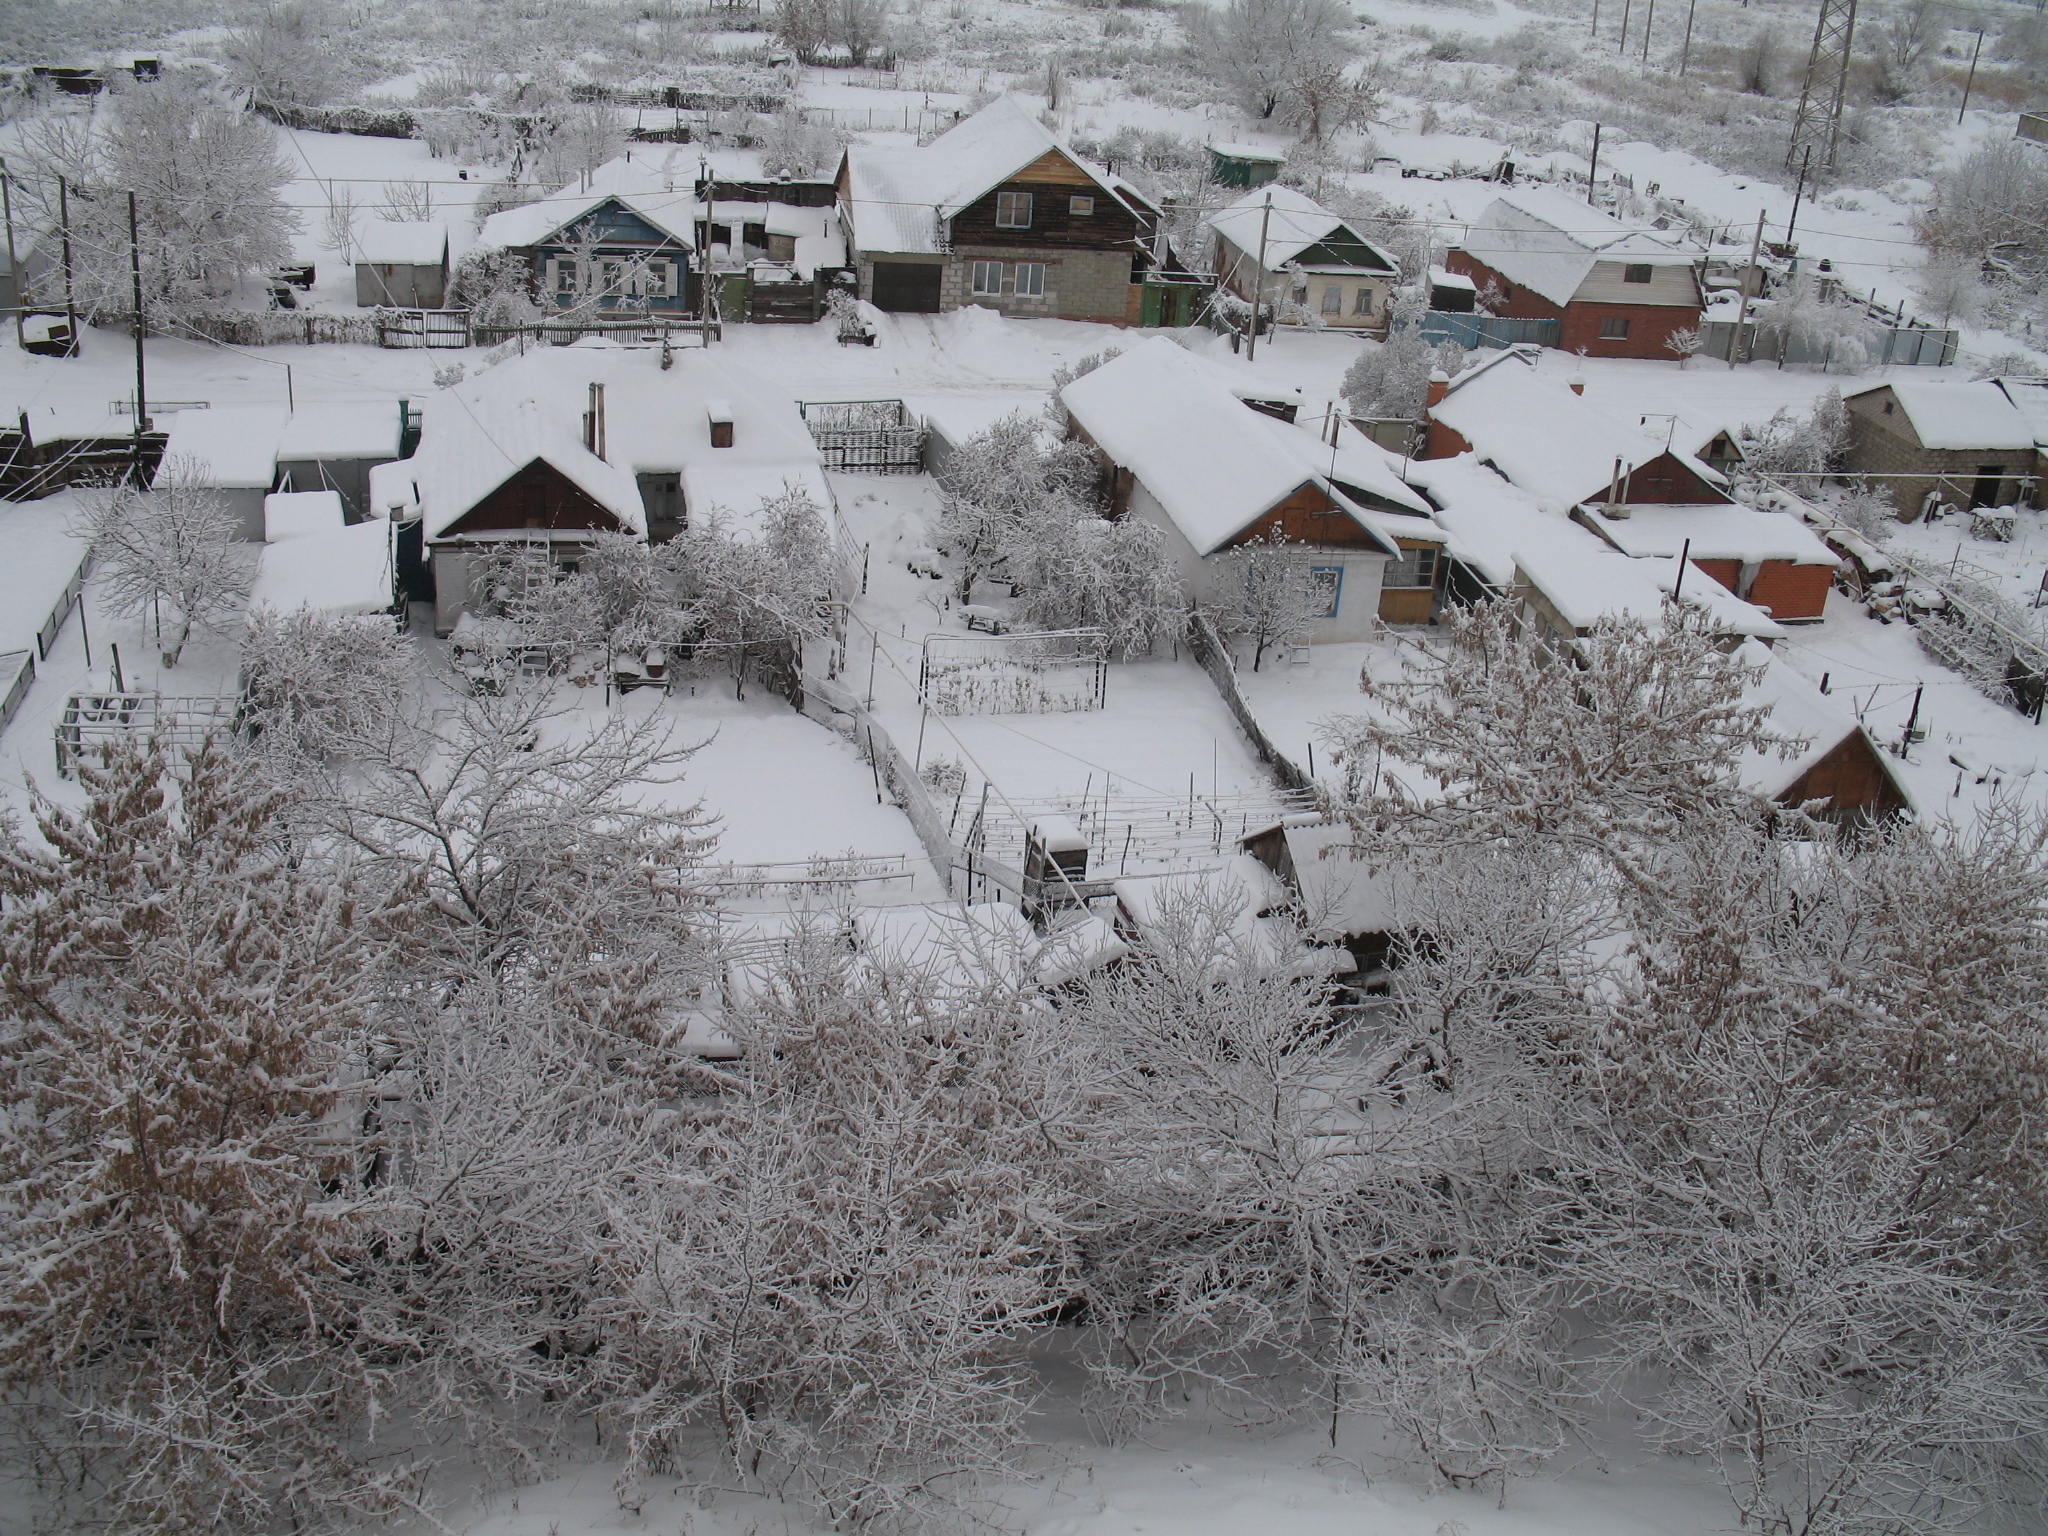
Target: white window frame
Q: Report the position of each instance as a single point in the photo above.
(1030, 280)
(1081, 207)
(562, 278)
(987, 279)
(1362, 305)
(1406, 573)
(1007, 204)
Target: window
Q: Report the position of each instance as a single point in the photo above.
(1081, 207)
(1333, 300)
(1301, 297)
(658, 281)
(1888, 407)
(1030, 279)
(1013, 210)
(1415, 568)
(1327, 581)
(988, 277)
(1362, 305)
(1614, 328)
(1636, 272)
(565, 274)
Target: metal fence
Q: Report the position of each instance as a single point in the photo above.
(1902, 346)
(18, 673)
(867, 437)
(74, 589)
(1477, 330)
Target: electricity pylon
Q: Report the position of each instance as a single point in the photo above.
(1819, 119)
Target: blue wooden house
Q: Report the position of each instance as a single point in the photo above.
(622, 235)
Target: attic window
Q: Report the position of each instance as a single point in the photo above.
(1013, 210)
(1081, 207)
(1888, 407)
(1636, 272)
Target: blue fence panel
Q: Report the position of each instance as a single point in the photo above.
(1477, 330)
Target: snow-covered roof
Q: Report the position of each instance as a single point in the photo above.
(1727, 532)
(1543, 437)
(352, 429)
(1961, 415)
(413, 243)
(1487, 518)
(393, 487)
(342, 571)
(1586, 582)
(1548, 242)
(1443, 277)
(1356, 460)
(1211, 462)
(1297, 222)
(1798, 711)
(657, 420)
(229, 447)
(958, 950)
(298, 514)
(1248, 152)
(1236, 892)
(1341, 894)
(2030, 399)
(658, 195)
(897, 198)
(819, 241)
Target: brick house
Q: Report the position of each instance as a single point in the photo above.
(1957, 444)
(1311, 255)
(997, 211)
(1615, 290)
(1182, 451)
(1643, 495)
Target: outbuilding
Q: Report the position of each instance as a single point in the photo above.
(403, 266)
(1943, 444)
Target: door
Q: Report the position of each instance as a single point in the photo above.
(907, 288)
(1989, 479)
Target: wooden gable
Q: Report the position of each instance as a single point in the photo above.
(1308, 516)
(538, 496)
(1851, 778)
(1665, 481)
(1053, 180)
(1343, 248)
(612, 223)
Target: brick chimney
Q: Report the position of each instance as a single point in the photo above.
(720, 416)
(1438, 440)
(1578, 384)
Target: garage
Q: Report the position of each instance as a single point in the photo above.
(908, 288)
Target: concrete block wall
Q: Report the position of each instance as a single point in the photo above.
(1079, 285)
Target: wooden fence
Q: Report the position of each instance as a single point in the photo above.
(871, 437)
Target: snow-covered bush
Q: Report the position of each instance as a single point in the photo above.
(997, 484)
(170, 552)
(1391, 378)
(312, 684)
(1799, 452)
(1079, 572)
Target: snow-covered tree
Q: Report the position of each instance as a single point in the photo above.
(1084, 573)
(1265, 591)
(172, 548)
(1802, 451)
(804, 27)
(206, 177)
(311, 684)
(1984, 207)
(999, 481)
(761, 593)
(1391, 378)
(1261, 50)
(283, 61)
(177, 991)
(795, 145)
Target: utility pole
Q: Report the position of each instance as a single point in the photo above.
(1971, 80)
(1649, 21)
(1792, 223)
(1259, 279)
(1593, 167)
(13, 266)
(141, 383)
(1685, 53)
(1621, 47)
(1753, 275)
(64, 227)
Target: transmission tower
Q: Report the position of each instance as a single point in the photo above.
(1819, 120)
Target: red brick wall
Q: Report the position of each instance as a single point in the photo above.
(1649, 325)
(1442, 443)
(1849, 778)
(1726, 572)
(1791, 591)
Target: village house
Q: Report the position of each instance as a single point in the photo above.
(1183, 452)
(404, 265)
(1311, 256)
(554, 447)
(1837, 772)
(1641, 494)
(997, 211)
(619, 239)
(1614, 290)
(1949, 444)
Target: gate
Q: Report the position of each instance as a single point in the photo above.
(423, 328)
(907, 288)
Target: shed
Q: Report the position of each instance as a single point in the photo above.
(1838, 765)
(230, 449)
(340, 572)
(1244, 165)
(1770, 558)
(404, 266)
(1960, 444)
(334, 446)
(301, 514)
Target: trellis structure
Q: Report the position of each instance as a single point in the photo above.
(1048, 672)
(866, 437)
(90, 719)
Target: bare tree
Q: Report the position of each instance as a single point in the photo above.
(860, 27)
(1265, 590)
(283, 61)
(172, 547)
(804, 27)
(1261, 50)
